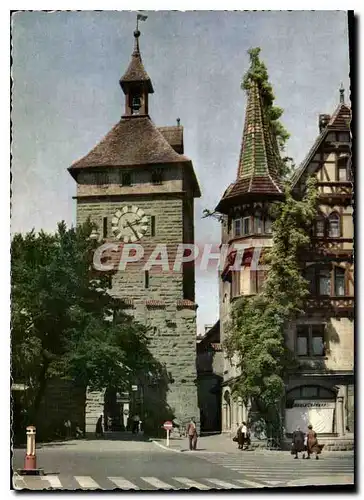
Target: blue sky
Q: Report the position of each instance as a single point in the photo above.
(66, 97)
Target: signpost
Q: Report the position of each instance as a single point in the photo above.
(168, 427)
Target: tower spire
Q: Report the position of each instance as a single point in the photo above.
(342, 94)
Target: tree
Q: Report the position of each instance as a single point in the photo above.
(65, 323)
(256, 332)
(258, 73)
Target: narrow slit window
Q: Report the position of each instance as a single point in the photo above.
(146, 279)
(152, 225)
(104, 227)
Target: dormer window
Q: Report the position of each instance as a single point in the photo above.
(157, 176)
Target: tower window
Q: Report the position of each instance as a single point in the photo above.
(146, 279)
(237, 227)
(246, 225)
(104, 227)
(101, 178)
(126, 178)
(267, 225)
(157, 176)
(152, 225)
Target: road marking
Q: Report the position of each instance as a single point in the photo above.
(123, 483)
(87, 482)
(222, 484)
(273, 483)
(191, 484)
(252, 484)
(53, 481)
(157, 483)
(165, 447)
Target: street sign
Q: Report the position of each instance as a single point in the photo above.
(168, 425)
(134, 387)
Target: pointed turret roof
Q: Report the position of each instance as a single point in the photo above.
(259, 156)
(136, 72)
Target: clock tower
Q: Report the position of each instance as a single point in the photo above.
(137, 185)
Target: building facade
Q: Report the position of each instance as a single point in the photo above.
(321, 392)
(139, 188)
(209, 378)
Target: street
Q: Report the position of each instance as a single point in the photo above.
(138, 464)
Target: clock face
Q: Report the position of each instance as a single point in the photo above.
(129, 224)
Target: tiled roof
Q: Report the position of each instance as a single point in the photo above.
(339, 121)
(174, 135)
(136, 71)
(132, 141)
(259, 157)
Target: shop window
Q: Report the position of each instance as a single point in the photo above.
(334, 225)
(310, 340)
(339, 281)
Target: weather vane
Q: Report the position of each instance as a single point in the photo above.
(140, 17)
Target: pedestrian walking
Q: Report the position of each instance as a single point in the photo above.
(192, 434)
(237, 437)
(298, 443)
(244, 436)
(99, 427)
(135, 428)
(312, 443)
(67, 426)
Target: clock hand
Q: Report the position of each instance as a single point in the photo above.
(131, 227)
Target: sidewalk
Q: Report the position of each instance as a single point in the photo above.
(223, 443)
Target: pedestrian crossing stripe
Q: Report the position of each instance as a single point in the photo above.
(123, 484)
(223, 484)
(87, 482)
(53, 481)
(191, 483)
(252, 484)
(157, 483)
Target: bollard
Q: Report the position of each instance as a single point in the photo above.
(30, 461)
(30, 457)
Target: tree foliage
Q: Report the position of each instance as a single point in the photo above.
(65, 323)
(258, 73)
(256, 330)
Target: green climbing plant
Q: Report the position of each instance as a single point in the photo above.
(256, 332)
(258, 73)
